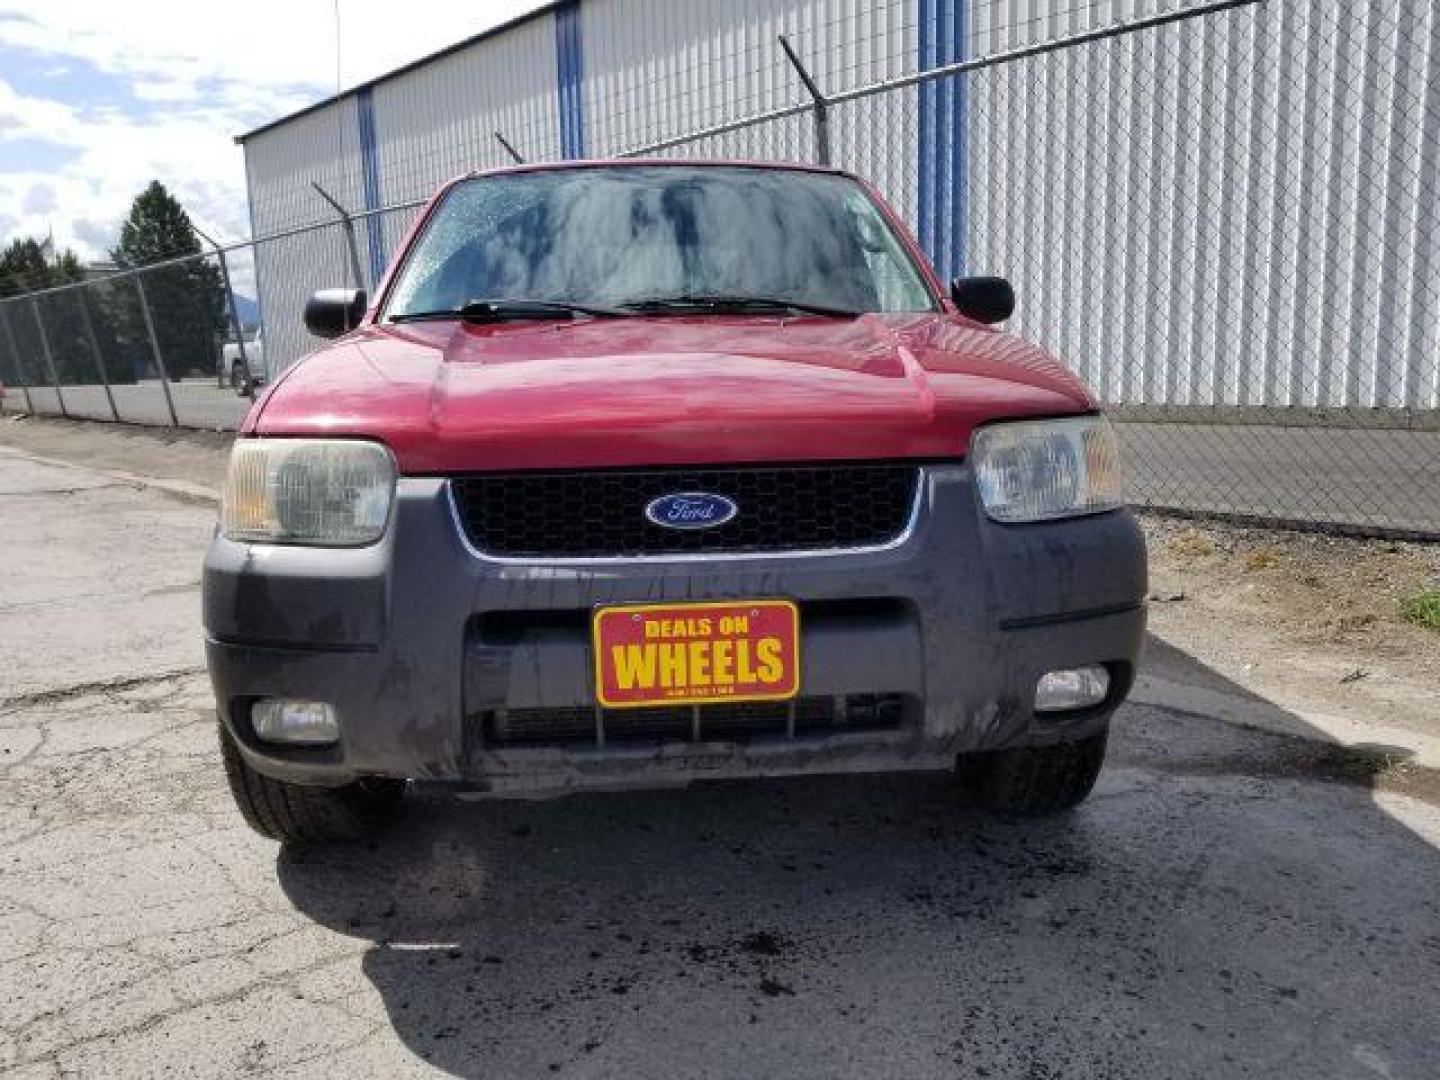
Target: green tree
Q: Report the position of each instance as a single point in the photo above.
(187, 301)
(25, 268)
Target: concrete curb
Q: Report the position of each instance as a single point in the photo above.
(183, 489)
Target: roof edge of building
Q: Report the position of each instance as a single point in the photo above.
(428, 58)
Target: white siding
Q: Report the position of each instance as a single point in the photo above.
(435, 122)
(431, 124)
(280, 164)
(1218, 212)
(654, 71)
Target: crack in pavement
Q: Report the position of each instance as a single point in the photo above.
(18, 606)
(83, 489)
(17, 702)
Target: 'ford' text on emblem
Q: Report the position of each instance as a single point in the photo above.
(691, 510)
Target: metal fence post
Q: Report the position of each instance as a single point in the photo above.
(234, 313)
(49, 359)
(155, 349)
(514, 154)
(20, 370)
(94, 344)
(349, 225)
(822, 104)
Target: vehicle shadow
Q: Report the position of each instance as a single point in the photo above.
(1229, 902)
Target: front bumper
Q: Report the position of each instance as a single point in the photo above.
(419, 637)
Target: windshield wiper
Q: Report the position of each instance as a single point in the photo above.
(424, 316)
(503, 310)
(492, 311)
(725, 303)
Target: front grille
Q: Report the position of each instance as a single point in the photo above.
(584, 725)
(599, 514)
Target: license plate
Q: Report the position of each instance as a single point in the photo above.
(695, 654)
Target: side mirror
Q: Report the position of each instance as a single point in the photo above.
(332, 312)
(984, 299)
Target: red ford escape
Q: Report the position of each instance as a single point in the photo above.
(641, 472)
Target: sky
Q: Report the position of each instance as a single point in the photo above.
(99, 97)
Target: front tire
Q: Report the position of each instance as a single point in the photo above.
(1033, 780)
(240, 378)
(300, 814)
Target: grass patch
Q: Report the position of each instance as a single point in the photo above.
(1423, 608)
(1192, 542)
(1263, 559)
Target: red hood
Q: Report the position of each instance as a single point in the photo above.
(450, 397)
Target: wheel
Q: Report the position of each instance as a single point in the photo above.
(240, 378)
(295, 813)
(1033, 779)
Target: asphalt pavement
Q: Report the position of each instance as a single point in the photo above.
(1231, 902)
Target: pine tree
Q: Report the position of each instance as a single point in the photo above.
(187, 302)
(24, 268)
(156, 228)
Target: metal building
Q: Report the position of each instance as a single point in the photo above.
(1235, 209)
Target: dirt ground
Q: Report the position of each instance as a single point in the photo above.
(1310, 621)
(180, 455)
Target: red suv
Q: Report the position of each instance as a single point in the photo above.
(638, 472)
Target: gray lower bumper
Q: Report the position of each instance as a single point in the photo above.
(415, 638)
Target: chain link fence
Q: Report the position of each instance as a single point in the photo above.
(141, 346)
(1226, 219)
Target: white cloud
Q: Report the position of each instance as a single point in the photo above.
(201, 75)
(107, 158)
(33, 118)
(263, 44)
(40, 199)
(163, 91)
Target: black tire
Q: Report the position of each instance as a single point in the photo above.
(240, 378)
(1033, 779)
(295, 813)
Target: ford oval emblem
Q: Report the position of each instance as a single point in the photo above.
(691, 510)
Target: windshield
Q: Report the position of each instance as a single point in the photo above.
(616, 236)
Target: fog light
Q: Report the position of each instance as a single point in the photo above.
(299, 723)
(1074, 688)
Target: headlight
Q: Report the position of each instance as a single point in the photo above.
(1036, 470)
(327, 492)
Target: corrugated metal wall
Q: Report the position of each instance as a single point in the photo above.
(402, 138)
(439, 120)
(1222, 211)
(655, 71)
(280, 164)
(1225, 211)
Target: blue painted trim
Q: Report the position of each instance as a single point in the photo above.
(925, 143)
(370, 181)
(959, 142)
(570, 68)
(940, 203)
(255, 255)
(576, 82)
